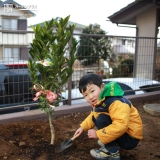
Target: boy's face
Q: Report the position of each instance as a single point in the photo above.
(92, 93)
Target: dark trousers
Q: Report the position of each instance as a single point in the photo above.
(125, 141)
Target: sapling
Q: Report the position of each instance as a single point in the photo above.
(49, 68)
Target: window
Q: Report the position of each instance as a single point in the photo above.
(11, 54)
(123, 41)
(15, 54)
(14, 24)
(10, 24)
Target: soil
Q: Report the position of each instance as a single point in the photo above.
(30, 140)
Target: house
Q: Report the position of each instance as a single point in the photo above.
(123, 45)
(13, 36)
(145, 15)
(78, 29)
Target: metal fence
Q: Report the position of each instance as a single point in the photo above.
(134, 62)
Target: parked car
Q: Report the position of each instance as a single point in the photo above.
(6, 71)
(136, 83)
(15, 91)
(3, 67)
(131, 86)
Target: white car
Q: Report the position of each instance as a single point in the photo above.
(131, 86)
(135, 83)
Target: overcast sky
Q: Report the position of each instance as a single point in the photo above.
(84, 12)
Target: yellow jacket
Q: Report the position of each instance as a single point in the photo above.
(125, 119)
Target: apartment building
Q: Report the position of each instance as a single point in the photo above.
(13, 36)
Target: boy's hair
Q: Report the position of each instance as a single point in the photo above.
(89, 78)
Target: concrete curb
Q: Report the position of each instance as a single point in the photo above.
(147, 97)
(37, 114)
(153, 109)
(66, 109)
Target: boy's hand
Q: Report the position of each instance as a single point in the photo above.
(92, 133)
(78, 131)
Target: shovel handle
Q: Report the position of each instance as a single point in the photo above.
(73, 138)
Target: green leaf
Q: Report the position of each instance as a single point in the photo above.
(47, 45)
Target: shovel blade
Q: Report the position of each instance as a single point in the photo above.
(64, 145)
(64, 142)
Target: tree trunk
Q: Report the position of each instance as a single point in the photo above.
(52, 128)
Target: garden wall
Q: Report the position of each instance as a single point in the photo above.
(149, 97)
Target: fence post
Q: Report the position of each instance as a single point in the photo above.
(70, 78)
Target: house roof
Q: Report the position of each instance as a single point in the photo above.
(128, 14)
(15, 4)
(80, 26)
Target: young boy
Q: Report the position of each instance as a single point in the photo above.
(118, 122)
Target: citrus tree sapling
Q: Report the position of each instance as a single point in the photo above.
(49, 68)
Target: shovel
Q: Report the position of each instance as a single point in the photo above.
(65, 144)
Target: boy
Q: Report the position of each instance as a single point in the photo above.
(117, 120)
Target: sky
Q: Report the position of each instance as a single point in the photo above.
(83, 12)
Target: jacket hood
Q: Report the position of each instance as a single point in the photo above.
(111, 89)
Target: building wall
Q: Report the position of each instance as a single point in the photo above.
(1, 53)
(14, 40)
(10, 38)
(147, 27)
(147, 23)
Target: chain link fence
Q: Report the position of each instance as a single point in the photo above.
(128, 60)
